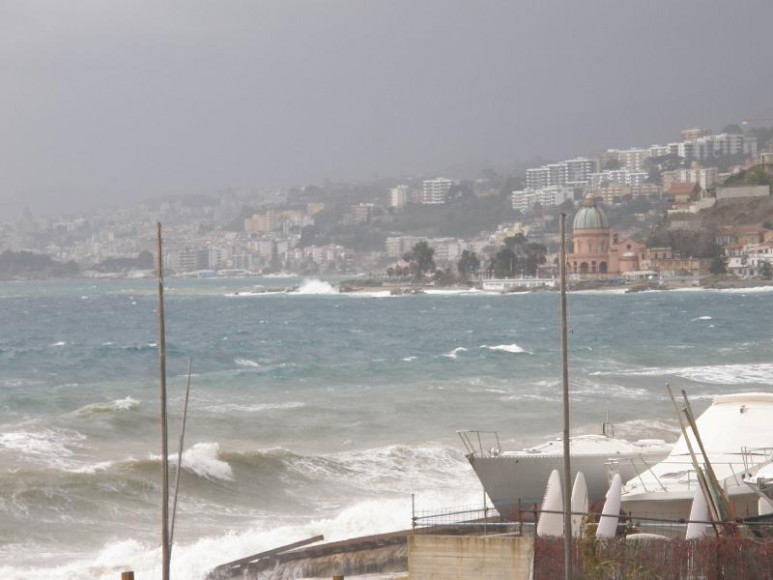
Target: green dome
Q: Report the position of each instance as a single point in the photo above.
(590, 217)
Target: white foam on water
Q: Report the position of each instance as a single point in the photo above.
(731, 374)
(454, 353)
(126, 404)
(49, 447)
(202, 459)
(511, 348)
(378, 294)
(390, 512)
(245, 362)
(701, 318)
(60, 343)
(255, 408)
(409, 358)
(315, 286)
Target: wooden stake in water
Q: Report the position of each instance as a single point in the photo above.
(165, 554)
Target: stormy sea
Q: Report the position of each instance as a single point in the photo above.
(314, 412)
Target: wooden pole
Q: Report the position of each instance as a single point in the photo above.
(180, 458)
(127, 575)
(567, 487)
(164, 435)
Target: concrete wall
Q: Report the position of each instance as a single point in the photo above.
(469, 557)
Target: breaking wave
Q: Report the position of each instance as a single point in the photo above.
(315, 286)
(511, 348)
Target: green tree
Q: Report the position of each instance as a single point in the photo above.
(468, 264)
(421, 259)
(536, 255)
(504, 264)
(718, 265)
(765, 270)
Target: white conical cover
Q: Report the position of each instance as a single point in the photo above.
(764, 506)
(551, 520)
(699, 512)
(579, 503)
(607, 527)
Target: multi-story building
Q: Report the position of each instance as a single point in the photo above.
(398, 246)
(720, 145)
(399, 196)
(525, 199)
(435, 191)
(619, 176)
(706, 177)
(695, 133)
(572, 172)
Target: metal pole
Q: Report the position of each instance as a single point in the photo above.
(567, 488)
(164, 435)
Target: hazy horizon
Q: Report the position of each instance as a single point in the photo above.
(106, 104)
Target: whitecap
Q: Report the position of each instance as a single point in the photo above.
(126, 404)
(730, 374)
(454, 353)
(50, 447)
(256, 408)
(245, 362)
(701, 318)
(315, 286)
(409, 358)
(511, 348)
(60, 343)
(202, 459)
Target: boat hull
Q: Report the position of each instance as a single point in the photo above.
(513, 481)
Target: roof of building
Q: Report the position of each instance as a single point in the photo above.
(590, 216)
(686, 187)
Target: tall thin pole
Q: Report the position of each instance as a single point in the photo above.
(164, 435)
(567, 487)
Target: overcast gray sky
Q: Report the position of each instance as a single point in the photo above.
(107, 101)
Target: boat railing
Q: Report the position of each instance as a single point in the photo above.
(749, 460)
(480, 443)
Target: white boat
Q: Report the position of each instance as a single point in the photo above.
(737, 435)
(517, 478)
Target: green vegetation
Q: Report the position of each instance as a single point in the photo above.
(467, 265)
(144, 261)
(27, 265)
(517, 258)
(757, 175)
(421, 259)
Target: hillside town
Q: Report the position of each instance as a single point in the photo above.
(678, 212)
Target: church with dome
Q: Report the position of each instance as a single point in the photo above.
(597, 251)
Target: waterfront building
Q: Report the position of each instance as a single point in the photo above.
(597, 251)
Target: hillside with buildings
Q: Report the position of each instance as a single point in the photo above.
(666, 210)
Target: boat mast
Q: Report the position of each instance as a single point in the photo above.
(567, 487)
(165, 552)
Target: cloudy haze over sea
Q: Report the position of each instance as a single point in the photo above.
(107, 103)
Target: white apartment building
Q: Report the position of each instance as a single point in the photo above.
(618, 176)
(399, 196)
(525, 199)
(435, 191)
(717, 146)
(398, 246)
(631, 159)
(703, 176)
(572, 172)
